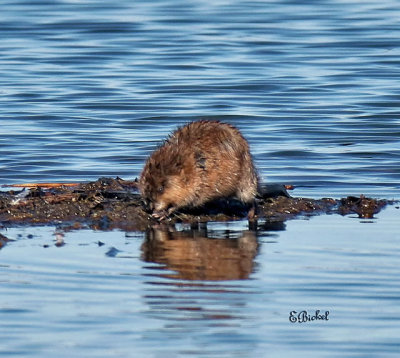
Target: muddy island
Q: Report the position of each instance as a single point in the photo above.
(110, 203)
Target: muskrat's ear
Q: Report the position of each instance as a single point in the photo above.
(157, 166)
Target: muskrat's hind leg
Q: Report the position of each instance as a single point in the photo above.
(251, 215)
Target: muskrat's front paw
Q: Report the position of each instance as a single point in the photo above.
(159, 215)
(163, 214)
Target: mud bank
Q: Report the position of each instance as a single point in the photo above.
(115, 203)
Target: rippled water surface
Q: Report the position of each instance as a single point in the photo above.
(89, 88)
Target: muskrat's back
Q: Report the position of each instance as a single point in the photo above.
(198, 163)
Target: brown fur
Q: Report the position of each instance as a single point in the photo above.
(198, 163)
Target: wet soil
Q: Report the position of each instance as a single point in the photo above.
(115, 203)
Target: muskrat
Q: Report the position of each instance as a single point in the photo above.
(200, 162)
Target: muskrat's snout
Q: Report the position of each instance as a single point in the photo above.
(157, 208)
(148, 205)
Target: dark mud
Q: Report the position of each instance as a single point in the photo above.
(115, 203)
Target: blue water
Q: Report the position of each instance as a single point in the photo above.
(89, 89)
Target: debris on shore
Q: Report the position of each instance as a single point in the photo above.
(115, 203)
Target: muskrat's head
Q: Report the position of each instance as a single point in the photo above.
(153, 190)
(162, 185)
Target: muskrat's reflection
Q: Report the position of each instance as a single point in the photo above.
(193, 256)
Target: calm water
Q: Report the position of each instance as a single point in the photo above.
(89, 88)
(225, 295)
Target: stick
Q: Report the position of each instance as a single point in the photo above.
(39, 185)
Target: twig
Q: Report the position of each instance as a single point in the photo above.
(39, 185)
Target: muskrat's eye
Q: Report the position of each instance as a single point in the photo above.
(160, 189)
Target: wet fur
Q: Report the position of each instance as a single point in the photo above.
(200, 162)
